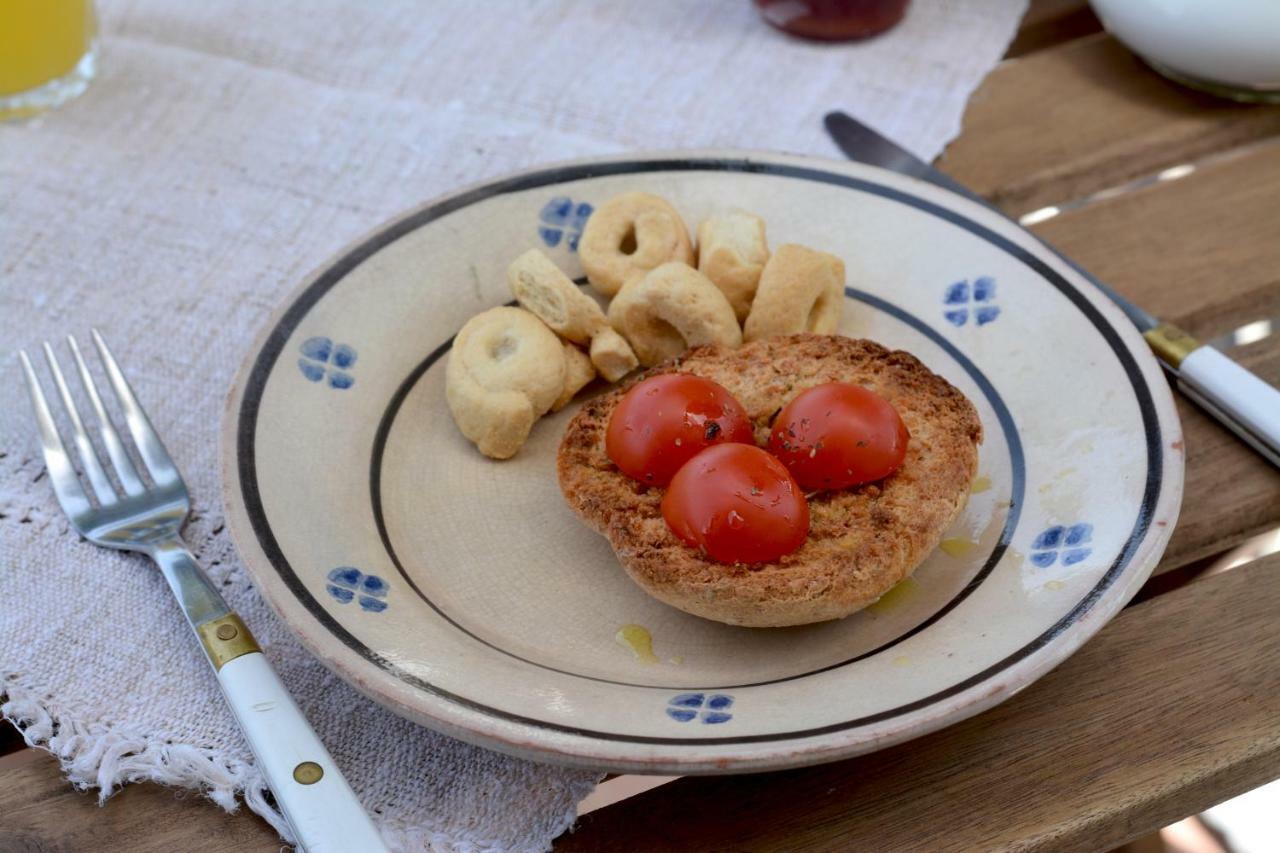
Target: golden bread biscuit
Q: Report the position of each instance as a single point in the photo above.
(505, 369)
(732, 251)
(629, 235)
(541, 288)
(673, 307)
(800, 290)
(861, 542)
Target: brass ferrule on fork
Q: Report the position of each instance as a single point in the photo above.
(225, 639)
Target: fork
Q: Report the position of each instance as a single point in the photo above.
(147, 516)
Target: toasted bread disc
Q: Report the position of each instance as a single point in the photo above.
(861, 541)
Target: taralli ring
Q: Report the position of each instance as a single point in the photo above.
(801, 290)
(540, 287)
(671, 309)
(629, 235)
(732, 252)
(505, 371)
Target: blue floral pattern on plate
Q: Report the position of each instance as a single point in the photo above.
(711, 709)
(347, 584)
(1071, 544)
(321, 358)
(963, 300)
(562, 219)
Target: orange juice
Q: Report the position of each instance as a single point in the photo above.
(42, 41)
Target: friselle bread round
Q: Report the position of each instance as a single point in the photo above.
(862, 541)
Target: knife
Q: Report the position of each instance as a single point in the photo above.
(1230, 393)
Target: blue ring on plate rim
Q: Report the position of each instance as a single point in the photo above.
(1017, 466)
(293, 316)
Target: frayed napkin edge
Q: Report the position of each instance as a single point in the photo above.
(109, 760)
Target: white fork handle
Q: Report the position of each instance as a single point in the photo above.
(1246, 404)
(324, 812)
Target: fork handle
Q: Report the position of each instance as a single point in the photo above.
(308, 787)
(310, 790)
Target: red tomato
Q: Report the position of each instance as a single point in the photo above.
(665, 420)
(737, 504)
(838, 435)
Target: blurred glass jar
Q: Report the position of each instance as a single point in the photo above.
(46, 54)
(832, 20)
(1226, 47)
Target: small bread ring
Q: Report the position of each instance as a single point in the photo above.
(732, 252)
(505, 370)
(670, 309)
(612, 355)
(801, 290)
(540, 287)
(629, 235)
(578, 371)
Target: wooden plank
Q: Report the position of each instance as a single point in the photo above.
(1169, 710)
(1066, 122)
(1052, 22)
(1231, 494)
(21, 758)
(1202, 251)
(40, 811)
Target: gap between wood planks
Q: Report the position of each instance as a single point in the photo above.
(1255, 548)
(1165, 175)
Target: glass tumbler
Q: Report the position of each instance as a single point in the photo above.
(46, 54)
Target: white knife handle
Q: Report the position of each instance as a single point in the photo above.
(321, 808)
(1249, 406)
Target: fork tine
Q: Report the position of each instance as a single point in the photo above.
(157, 460)
(66, 485)
(89, 461)
(110, 438)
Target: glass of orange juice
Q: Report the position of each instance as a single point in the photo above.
(46, 53)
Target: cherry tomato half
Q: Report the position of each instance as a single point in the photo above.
(839, 435)
(738, 504)
(665, 420)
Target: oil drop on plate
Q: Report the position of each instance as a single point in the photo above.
(638, 639)
(957, 547)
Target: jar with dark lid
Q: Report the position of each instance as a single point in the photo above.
(832, 20)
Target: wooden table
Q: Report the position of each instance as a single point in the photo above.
(1173, 707)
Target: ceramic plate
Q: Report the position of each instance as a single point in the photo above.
(463, 593)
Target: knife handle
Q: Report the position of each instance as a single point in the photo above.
(308, 787)
(1237, 397)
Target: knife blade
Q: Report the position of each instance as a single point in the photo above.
(1231, 394)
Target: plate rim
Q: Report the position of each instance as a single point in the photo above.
(565, 744)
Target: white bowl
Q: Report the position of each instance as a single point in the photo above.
(1228, 47)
